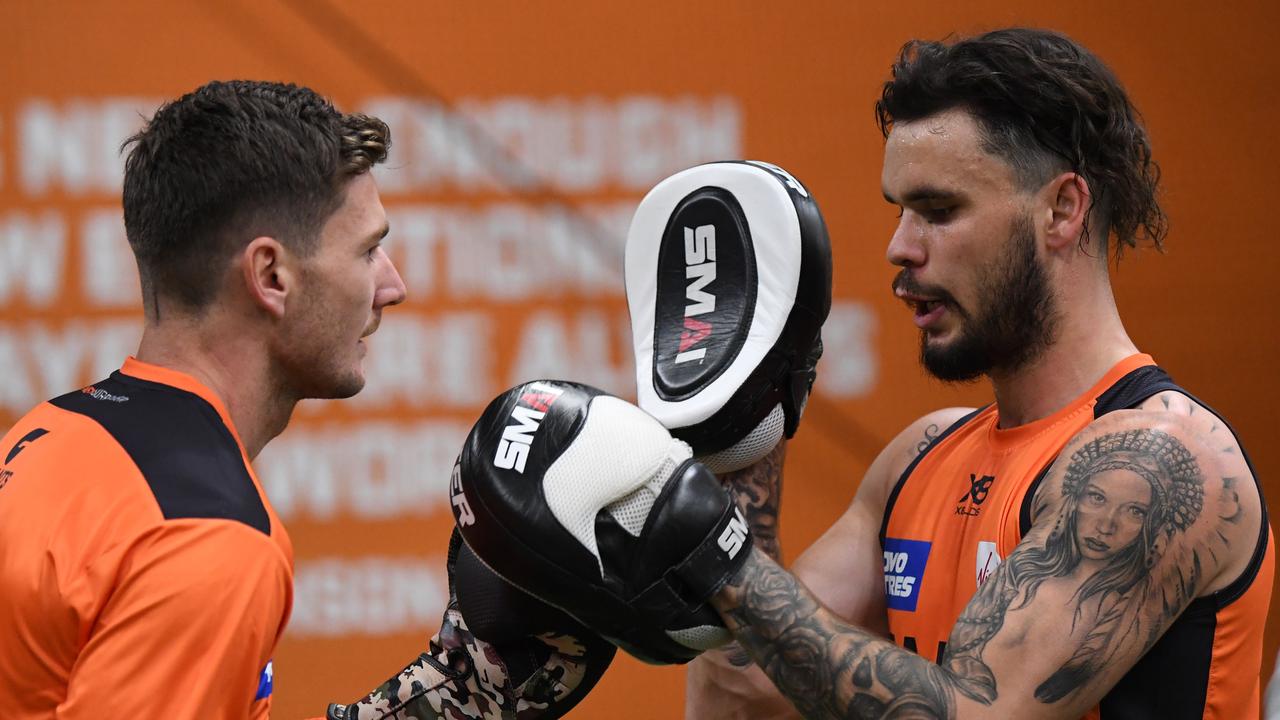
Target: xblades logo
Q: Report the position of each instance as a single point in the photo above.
(976, 495)
(699, 271)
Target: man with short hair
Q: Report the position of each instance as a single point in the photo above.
(1093, 542)
(145, 573)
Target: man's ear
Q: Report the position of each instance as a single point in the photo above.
(1069, 200)
(267, 273)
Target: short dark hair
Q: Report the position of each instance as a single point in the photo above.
(1045, 105)
(231, 161)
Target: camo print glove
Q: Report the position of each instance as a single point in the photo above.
(535, 661)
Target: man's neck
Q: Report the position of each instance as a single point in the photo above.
(1085, 349)
(232, 365)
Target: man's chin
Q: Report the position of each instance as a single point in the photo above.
(337, 388)
(951, 361)
(350, 388)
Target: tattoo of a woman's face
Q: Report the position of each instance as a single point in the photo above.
(1126, 497)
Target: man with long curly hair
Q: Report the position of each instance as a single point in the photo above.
(1094, 542)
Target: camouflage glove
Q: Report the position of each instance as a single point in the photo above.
(533, 661)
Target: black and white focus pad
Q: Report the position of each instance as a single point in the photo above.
(584, 501)
(728, 274)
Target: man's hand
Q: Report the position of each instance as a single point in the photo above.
(587, 502)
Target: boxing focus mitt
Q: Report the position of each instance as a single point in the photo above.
(586, 502)
(728, 279)
(500, 653)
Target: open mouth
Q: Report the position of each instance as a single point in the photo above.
(926, 311)
(924, 307)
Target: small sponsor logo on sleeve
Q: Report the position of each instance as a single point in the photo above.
(98, 393)
(265, 683)
(988, 560)
(904, 563)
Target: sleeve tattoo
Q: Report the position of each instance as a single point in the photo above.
(759, 491)
(758, 488)
(1119, 542)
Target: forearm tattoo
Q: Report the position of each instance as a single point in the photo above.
(758, 488)
(1121, 550)
(828, 669)
(759, 491)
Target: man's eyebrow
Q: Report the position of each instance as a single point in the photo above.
(386, 228)
(923, 193)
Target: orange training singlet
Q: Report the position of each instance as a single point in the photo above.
(964, 504)
(142, 571)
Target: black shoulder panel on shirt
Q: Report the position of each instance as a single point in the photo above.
(1133, 389)
(180, 444)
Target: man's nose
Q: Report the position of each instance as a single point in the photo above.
(905, 246)
(391, 289)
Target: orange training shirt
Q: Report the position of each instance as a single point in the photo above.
(143, 573)
(964, 504)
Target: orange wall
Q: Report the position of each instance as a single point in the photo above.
(666, 84)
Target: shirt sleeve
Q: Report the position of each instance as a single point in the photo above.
(190, 625)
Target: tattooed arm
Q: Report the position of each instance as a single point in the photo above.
(843, 568)
(759, 491)
(1139, 516)
(724, 682)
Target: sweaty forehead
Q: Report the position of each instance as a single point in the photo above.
(943, 152)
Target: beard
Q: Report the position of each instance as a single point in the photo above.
(312, 361)
(1013, 324)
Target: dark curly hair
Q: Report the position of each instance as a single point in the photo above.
(1045, 105)
(231, 161)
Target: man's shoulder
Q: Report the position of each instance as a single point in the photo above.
(1193, 476)
(1179, 421)
(905, 448)
(173, 439)
(925, 432)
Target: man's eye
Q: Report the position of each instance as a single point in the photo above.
(899, 211)
(938, 215)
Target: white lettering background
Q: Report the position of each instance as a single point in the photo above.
(512, 274)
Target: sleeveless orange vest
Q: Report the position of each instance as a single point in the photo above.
(964, 504)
